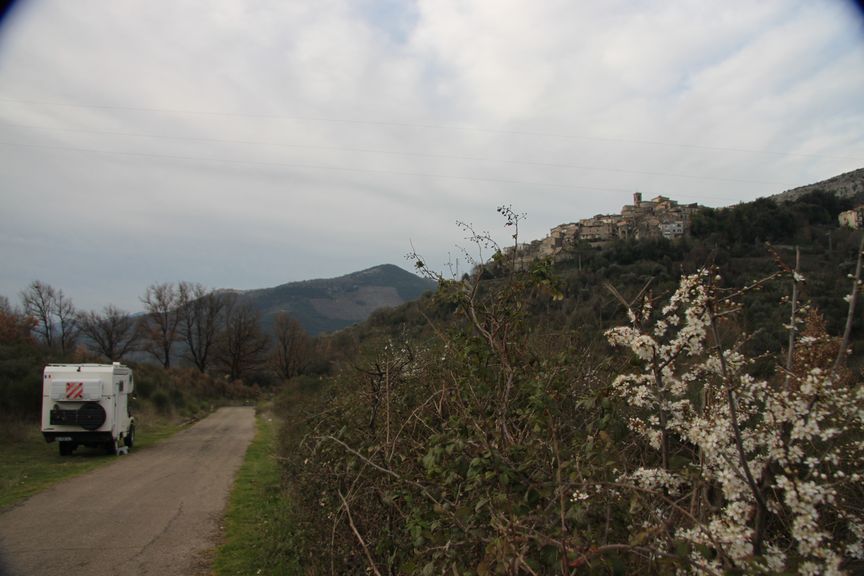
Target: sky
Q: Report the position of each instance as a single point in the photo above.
(245, 144)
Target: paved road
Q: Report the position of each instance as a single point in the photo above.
(154, 512)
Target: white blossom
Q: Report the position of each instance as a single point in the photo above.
(792, 431)
(655, 479)
(579, 496)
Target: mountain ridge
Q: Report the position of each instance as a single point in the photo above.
(846, 185)
(329, 304)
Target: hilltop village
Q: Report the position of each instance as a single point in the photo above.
(659, 217)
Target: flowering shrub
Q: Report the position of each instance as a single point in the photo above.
(756, 475)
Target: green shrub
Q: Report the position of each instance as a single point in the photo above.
(178, 398)
(161, 402)
(143, 388)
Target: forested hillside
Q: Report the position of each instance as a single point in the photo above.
(652, 407)
(324, 305)
(847, 185)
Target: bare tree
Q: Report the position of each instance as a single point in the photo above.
(38, 301)
(67, 322)
(160, 326)
(200, 322)
(54, 314)
(112, 334)
(243, 344)
(292, 347)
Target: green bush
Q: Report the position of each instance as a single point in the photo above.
(144, 388)
(161, 402)
(21, 362)
(178, 398)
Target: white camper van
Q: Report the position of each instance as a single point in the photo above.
(88, 405)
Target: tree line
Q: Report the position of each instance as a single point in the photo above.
(801, 220)
(184, 323)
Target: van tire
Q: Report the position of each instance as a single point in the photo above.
(67, 448)
(91, 416)
(129, 440)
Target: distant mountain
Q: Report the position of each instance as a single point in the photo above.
(325, 305)
(848, 185)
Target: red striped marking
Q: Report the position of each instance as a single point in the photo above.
(74, 390)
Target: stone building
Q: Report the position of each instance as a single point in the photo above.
(659, 217)
(643, 219)
(852, 218)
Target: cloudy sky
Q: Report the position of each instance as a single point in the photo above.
(245, 144)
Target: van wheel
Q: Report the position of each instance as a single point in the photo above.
(66, 448)
(129, 440)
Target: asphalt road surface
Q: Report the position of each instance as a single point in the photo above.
(154, 512)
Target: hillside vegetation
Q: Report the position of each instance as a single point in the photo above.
(325, 305)
(652, 407)
(846, 185)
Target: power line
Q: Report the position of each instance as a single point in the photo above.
(441, 126)
(312, 166)
(341, 169)
(396, 153)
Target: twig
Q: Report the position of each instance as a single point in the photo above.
(582, 560)
(561, 503)
(357, 534)
(678, 508)
(792, 329)
(756, 284)
(414, 416)
(414, 483)
(847, 331)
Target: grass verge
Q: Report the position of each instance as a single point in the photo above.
(29, 465)
(259, 537)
